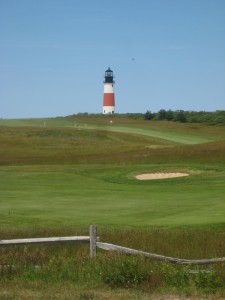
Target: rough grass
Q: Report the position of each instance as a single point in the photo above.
(96, 141)
(29, 268)
(47, 145)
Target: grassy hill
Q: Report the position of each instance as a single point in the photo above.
(59, 175)
(81, 170)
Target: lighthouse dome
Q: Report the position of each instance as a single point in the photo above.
(109, 76)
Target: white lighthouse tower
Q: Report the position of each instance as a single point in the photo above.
(108, 99)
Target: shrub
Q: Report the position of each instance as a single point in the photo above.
(124, 272)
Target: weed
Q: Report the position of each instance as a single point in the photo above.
(124, 272)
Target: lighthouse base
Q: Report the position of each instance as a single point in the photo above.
(108, 110)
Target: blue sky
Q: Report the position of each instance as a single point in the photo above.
(165, 54)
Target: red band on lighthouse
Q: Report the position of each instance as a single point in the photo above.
(108, 99)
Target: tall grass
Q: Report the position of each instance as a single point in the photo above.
(63, 264)
(35, 145)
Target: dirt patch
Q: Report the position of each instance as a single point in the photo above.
(151, 176)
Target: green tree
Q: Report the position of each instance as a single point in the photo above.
(161, 115)
(169, 115)
(149, 115)
(180, 116)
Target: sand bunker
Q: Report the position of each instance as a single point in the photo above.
(151, 176)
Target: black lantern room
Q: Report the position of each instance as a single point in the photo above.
(108, 76)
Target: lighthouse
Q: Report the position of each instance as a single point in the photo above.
(108, 98)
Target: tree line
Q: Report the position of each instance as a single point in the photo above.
(215, 117)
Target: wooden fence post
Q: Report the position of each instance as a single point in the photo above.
(93, 238)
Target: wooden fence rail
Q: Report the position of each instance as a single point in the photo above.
(94, 242)
(47, 241)
(116, 248)
(91, 239)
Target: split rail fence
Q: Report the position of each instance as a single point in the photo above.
(95, 243)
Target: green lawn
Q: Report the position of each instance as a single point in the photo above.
(61, 197)
(62, 176)
(164, 134)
